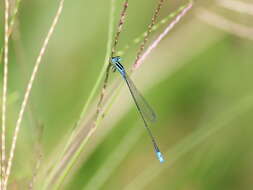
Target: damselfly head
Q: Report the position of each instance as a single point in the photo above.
(116, 59)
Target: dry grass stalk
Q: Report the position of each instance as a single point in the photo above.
(162, 35)
(5, 83)
(116, 39)
(28, 90)
(150, 26)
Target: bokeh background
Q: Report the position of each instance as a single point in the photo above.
(198, 80)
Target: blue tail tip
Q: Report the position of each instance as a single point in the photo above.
(160, 157)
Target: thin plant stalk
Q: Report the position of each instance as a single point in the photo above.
(36, 170)
(162, 35)
(28, 90)
(90, 98)
(12, 23)
(5, 85)
(116, 40)
(109, 52)
(14, 16)
(150, 26)
(154, 28)
(38, 154)
(106, 67)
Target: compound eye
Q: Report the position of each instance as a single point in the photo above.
(116, 59)
(113, 60)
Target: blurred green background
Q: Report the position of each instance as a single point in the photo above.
(198, 80)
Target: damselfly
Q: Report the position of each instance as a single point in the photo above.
(146, 112)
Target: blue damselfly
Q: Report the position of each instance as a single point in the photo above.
(146, 112)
